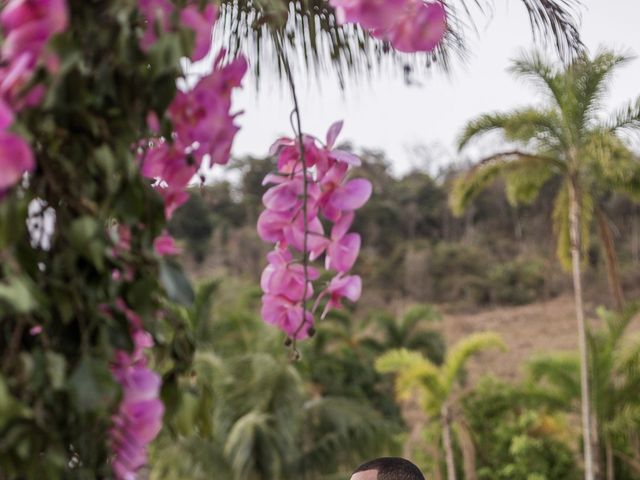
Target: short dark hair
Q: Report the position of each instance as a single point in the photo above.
(392, 468)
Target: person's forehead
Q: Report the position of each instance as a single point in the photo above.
(365, 475)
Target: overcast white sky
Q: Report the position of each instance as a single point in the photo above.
(386, 114)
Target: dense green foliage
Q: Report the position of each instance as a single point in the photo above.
(56, 390)
(615, 372)
(237, 407)
(518, 438)
(245, 411)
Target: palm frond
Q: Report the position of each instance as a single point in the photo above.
(560, 373)
(626, 119)
(203, 304)
(316, 42)
(469, 184)
(480, 126)
(413, 372)
(463, 350)
(248, 437)
(191, 457)
(524, 181)
(536, 68)
(628, 355)
(610, 162)
(527, 126)
(342, 429)
(556, 20)
(561, 226)
(560, 221)
(627, 418)
(588, 79)
(421, 312)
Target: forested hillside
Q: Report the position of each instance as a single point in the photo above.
(414, 248)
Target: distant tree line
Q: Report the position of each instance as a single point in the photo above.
(413, 245)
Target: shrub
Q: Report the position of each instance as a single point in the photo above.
(516, 282)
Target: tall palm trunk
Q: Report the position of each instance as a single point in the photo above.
(611, 260)
(448, 443)
(575, 227)
(609, 458)
(468, 449)
(437, 456)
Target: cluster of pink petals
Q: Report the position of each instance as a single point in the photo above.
(27, 26)
(330, 195)
(139, 417)
(166, 245)
(203, 127)
(16, 158)
(158, 14)
(408, 25)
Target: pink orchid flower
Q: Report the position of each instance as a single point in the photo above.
(286, 278)
(6, 115)
(157, 17)
(166, 245)
(339, 155)
(341, 197)
(344, 247)
(139, 417)
(17, 13)
(287, 315)
(316, 240)
(28, 26)
(16, 158)
(328, 194)
(368, 13)
(201, 116)
(420, 27)
(172, 201)
(202, 24)
(341, 286)
(35, 330)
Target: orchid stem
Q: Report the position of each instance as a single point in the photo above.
(298, 127)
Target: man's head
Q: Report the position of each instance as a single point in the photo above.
(387, 468)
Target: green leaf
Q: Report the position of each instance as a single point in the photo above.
(9, 406)
(56, 369)
(84, 237)
(19, 294)
(12, 224)
(83, 230)
(176, 283)
(92, 385)
(104, 158)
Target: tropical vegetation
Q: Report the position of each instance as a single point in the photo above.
(114, 366)
(567, 142)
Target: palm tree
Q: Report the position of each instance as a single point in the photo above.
(615, 370)
(245, 412)
(565, 141)
(436, 386)
(408, 331)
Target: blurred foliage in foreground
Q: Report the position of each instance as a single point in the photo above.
(245, 411)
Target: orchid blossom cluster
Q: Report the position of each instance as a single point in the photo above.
(408, 25)
(311, 185)
(203, 126)
(139, 417)
(27, 26)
